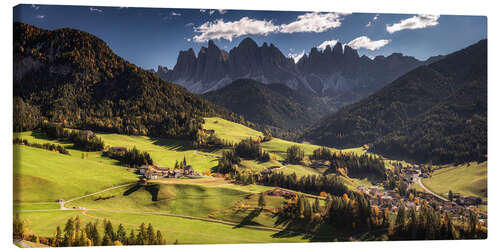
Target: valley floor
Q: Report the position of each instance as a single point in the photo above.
(187, 211)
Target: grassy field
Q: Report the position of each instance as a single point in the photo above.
(185, 231)
(164, 151)
(463, 179)
(41, 175)
(218, 202)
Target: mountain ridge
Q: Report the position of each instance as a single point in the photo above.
(72, 77)
(395, 116)
(338, 72)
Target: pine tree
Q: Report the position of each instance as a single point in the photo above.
(69, 233)
(150, 235)
(121, 235)
(316, 206)
(131, 238)
(159, 238)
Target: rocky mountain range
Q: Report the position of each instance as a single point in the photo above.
(338, 72)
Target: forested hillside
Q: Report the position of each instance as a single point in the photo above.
(273, 105)
(433, 113)
(71, 77)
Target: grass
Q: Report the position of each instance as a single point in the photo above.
(299, 170)
(463, 179)
(229, 203)
(183, 199)
(230, 131)
(36, 206)
(41, 175)
(163, 151)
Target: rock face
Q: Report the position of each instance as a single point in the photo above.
(162, 71)
(337, 72)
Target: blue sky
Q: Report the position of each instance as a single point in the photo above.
(154, 36)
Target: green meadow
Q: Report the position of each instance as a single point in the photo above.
(41, 175)
(466, 179)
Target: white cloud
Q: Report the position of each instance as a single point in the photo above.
(189, 24)
(309, 22)
(415, 22)
(374, 19)
(211, 12)
(222, 12)
(95, 10)
(364, 42)
(227, 30)
(35, 7)
(202, 10)
(313, 22)
(176, 14)
(40, 16)
(323, 45)
(296, 56)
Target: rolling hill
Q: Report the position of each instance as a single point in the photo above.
(273, 105)
(434, 113)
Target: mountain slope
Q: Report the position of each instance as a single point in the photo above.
(269, 104)
(72, 77)
(435, 112)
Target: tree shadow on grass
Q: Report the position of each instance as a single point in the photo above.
(131, 190)
(248, 219)
(308, 230)
(171, 144)
(153, 190)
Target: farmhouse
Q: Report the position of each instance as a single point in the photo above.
(118, 149)
(87, 133)
(208, 131)
(362, 189)
(469, 200)
(281, 192)
(143, 169)
(188, 170)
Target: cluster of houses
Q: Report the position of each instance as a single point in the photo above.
(391, 200)
(152, 172)
(467, 200)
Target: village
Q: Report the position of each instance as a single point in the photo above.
(456, 204)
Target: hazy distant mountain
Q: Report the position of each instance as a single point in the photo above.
(339, 72)
(269, 104)
(436, 112)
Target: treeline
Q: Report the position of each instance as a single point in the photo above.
(351, 164)
(210, 140)
(47, 146)
(130, 157)
(80, 139)
(350, 211)
(311, 184)
(75, 233)
(79, 82)
(430, 224)
(248, 148)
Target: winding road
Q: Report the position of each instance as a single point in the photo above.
(419, 181)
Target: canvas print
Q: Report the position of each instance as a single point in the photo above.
(154, 126)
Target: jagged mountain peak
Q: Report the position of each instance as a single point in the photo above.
(334, 71)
